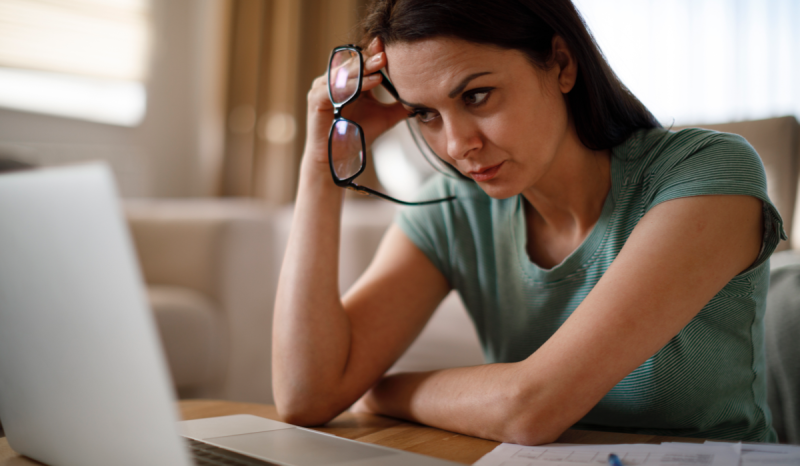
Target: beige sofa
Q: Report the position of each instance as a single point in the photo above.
(212, 268)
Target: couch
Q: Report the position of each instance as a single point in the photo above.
(211, 271)
(212, 266)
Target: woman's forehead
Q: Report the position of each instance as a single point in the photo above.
(440, 63)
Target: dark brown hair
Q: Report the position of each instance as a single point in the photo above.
(604, 111)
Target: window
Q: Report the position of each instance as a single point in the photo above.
(85, 59)
(703, 61)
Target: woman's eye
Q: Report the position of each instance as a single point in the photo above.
(476, 97)
(423, 116)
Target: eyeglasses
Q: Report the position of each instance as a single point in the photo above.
(347, 148)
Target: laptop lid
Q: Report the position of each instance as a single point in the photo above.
(70, 285)
(82, 378)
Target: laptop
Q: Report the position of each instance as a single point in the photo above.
(83, 380)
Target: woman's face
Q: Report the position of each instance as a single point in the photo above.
(485, 110)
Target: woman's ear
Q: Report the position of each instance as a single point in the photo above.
(567, 66)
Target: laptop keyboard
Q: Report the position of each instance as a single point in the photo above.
(209, 455)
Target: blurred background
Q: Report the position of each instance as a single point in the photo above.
(190, 98)
(199, 108)
(181, 97)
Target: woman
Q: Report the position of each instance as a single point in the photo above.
(616, 272)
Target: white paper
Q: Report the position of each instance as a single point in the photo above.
(770, 459)
(736, 446)
(631, 455)
(777, 448)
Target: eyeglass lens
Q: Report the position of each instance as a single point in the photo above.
(344, 73)
(347, 151)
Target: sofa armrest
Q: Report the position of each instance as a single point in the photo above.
(224, 250)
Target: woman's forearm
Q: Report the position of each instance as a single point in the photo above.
(311, 330)
(490, 401)
(326, 354)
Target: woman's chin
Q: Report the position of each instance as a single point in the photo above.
(498, 191)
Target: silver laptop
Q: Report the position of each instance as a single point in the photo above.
(83, 380)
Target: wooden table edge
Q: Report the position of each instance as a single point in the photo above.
(409, 436)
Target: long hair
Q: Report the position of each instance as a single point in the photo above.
(604, 111)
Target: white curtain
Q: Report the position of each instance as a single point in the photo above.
(703, 61)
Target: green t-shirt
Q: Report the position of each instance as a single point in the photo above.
(709, 380)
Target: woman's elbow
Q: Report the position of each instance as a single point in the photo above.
(531, 421)
(530, 431)
(306, 411)
(532, 436)
(304, 418)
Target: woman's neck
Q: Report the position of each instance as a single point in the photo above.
(565, 204)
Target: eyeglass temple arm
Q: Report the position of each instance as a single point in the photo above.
(391, 89)
(367, 190)
(388, 85)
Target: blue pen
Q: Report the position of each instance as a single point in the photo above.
(613, 460)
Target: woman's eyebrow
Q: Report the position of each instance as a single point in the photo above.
(409, 104)
(464, 82)
(456, 90)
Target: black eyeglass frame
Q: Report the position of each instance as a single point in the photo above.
(337, 117)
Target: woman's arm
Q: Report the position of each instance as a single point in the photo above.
(678, 257)
(327, 351)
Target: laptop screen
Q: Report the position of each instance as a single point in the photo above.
(82, 377)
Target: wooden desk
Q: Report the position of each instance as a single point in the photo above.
(382, 431)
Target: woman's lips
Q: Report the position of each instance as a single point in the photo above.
(487, 173)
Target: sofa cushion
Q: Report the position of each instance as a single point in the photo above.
(170, 257)
(191, 333)
(188, 242)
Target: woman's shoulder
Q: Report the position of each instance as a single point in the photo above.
(661, 152)
(648, 144)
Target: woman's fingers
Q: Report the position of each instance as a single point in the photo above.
(318, 95)
(374, 63)
(374, 56)
(370, 82)
(375, 46)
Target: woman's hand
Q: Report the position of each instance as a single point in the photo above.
(373, 116)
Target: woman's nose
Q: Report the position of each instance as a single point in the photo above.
(462, 138)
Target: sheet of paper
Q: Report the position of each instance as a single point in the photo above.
(769, 459)
(736, 446)
(769, 454)
(762, 454)
(631, 455)
(778, 448)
